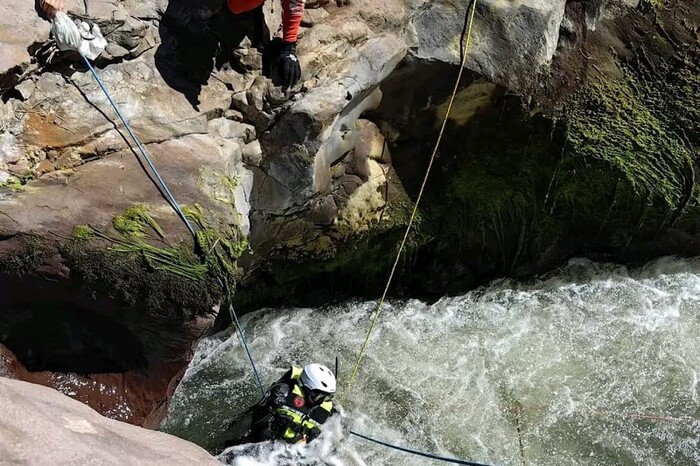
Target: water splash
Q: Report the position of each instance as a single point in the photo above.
(592, 365)
(330, 449)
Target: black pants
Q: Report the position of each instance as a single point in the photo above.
(231, 29)
(191, 47)
(252, 427)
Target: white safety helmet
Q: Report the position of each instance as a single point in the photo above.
(318, 377)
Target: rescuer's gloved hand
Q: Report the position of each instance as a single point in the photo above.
(288, 65)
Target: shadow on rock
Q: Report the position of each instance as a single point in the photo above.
(197, 39)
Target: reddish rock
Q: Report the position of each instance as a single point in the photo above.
(139, 399)
(44, 167)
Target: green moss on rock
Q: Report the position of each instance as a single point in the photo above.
(13, 184)
(134, 279)
(129, 268)
(134, 221)
(27, 258)
(613, 122)
(613, 166)
(219, 246)
(83, 232)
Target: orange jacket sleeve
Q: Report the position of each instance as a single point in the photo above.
(292, 12)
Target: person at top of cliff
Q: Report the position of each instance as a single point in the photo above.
(292, 13)
(51, 7)
(197, 38)
(294, 408)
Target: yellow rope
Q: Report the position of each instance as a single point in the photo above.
(377, 312)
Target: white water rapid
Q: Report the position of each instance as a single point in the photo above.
(592, 365)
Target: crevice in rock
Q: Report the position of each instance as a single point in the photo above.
(61, 337)
(122, 359)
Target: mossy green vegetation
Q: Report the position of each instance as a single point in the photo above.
(161, 284)
(614, 162)
(13, 184)
(129, 267)
(83, 232)
(219, 247)
(134, 221)
(490, 204)
(614, 122)
(31, 253)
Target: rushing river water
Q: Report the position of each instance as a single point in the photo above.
(592, 365)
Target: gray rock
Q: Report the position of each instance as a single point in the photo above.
(230, 129)
(247, 58)
(234, 115)
(371, 143)
(511, 40)
(130, 34)
(10, 152)
(148, 10)
(122, 22)
(39, 425)
(190, 165)
(608, 9)
(252, 154)
(342, 138)
(116, 50)
(20, 169)
(313, 16)
(66, 116)
(26, 89)
(320, 128)
(259, 103)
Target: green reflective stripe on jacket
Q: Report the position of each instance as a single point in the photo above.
(299, 419)
(296, 372)
(327, 405)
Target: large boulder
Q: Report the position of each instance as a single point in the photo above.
(42, 426)
(511, 40)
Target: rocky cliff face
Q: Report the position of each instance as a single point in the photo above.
(575, 132)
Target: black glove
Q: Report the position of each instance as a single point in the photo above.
(289, 64)
(312, 434)
(278, 394)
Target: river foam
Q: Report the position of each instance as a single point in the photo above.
(591, 365)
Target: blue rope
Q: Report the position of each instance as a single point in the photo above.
(418, 453)
(168, 195)
(171, 199)
(241, 335)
